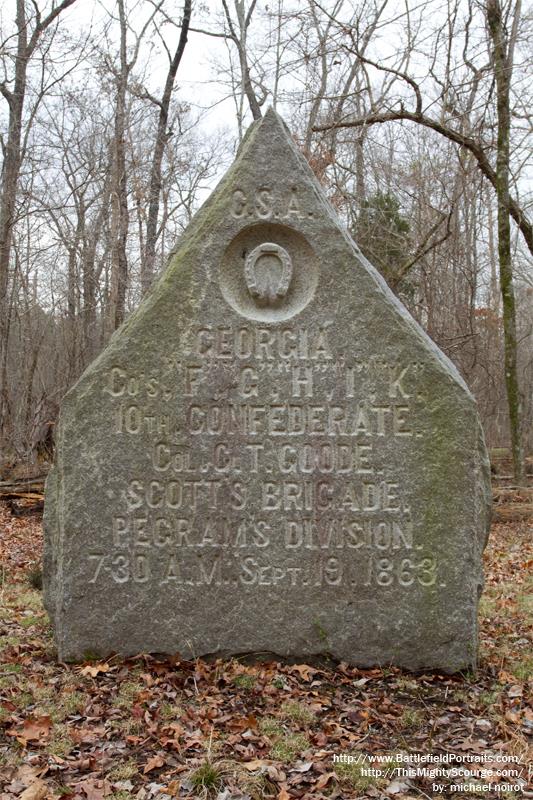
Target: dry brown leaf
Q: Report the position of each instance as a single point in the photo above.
(94, 789)
(28, 774)
(153, 763)
(35, 791)
(257, 763)
(512, 716)
(35, 729)
(324, 780)
(94, 669)
(276, 774)
(304, 670)
(173, 788)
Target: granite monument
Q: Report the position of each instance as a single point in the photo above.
(270, 456)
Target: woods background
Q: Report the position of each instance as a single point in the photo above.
(414, 116)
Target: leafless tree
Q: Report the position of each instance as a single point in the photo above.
(163, 134)
(463, 116)
(33, 26)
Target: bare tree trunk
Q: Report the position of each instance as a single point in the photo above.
(503, 64)
(239, 39)
(360, 176)
(320, 91)
(13, 156)
(162, 136)
(10, 175)
(90, 279)
(119, 212)
(495, 294)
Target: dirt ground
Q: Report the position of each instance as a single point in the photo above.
(145, 728)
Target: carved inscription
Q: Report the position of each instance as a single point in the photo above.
(325, 508)
(267, 203)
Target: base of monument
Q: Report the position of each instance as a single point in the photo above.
(318, 660)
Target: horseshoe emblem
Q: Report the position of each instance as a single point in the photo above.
(268, 273)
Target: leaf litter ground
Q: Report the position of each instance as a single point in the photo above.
(150, 728)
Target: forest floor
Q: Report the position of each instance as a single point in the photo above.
(145, 728)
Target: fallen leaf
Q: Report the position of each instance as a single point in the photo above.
(302, 766)
(283, 795)
(15, 787)
(397, 787)
(275, 774)
(94, 669)
(155, 789)
(36, 791)
(257, 763)
(512, 716)
(123, 786)
(94, 789)
(324, 780)
(304, 671)
(242, 723)
(515, 691)
(35, 729)
(28, 774)
(153, 763)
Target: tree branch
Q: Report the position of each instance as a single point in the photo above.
(466, 142)
(6, 93)
(42, 25)
(210, 33)
(413, 84)
(425, 246)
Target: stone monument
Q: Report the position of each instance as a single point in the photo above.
(270, 456)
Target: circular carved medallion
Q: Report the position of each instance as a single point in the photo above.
(268, 273)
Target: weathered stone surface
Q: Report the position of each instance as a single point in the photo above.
(270, 455)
